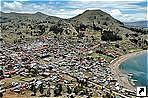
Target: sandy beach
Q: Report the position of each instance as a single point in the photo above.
(121, 77)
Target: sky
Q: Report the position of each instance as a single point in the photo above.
(123, 10)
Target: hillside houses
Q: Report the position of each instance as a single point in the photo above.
(54, 61)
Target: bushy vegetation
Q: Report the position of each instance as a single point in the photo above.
(41, 29)
(97, 28)
(110, 36)
(82, 27)
(56, 29)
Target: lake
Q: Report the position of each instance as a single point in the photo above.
(138, 66)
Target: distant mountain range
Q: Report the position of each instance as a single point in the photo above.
(33, 23)
(143, 24)
(22, 26)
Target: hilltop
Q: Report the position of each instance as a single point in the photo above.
(97, 17)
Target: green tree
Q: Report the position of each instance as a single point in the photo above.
(58, 90)
(41, 88)
(33, 89)
(56, 29)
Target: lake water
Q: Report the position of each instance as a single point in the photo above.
(138, 66)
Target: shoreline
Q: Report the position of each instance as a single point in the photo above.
(121, 77)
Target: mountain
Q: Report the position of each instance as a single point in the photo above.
(88, 17)
(97, 17)
(26, 17)
(25, 26)
(19, 27)
(143, 24)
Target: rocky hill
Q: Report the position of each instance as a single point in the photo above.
(23, 27)
(25, 17)
(97, 17)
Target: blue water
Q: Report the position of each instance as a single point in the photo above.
(138, 66)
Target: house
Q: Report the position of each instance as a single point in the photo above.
(2, 89)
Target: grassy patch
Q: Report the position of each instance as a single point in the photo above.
(97, 55)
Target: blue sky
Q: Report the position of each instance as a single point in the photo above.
(123, 10)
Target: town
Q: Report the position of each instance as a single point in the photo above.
(43, 55)
(58, 66)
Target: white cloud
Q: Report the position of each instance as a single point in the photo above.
(12, 5)
(66, 13)
(115, 12)
(118, 9)
(77, 11)
(62, 10)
